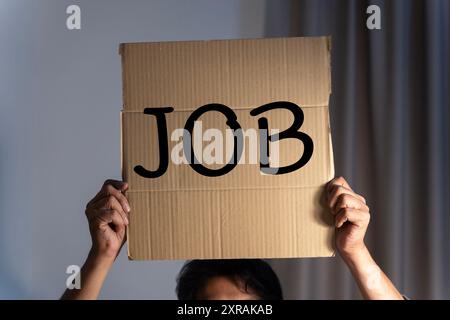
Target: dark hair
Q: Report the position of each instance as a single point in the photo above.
(256, 275)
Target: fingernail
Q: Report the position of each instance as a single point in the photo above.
(127, 207)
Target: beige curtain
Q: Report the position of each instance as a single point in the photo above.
(390, 117)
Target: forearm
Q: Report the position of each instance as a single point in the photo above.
(371, 280)
(93, 274)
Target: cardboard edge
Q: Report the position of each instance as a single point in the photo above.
(331, 156)
(206, 41)
(332, 174)
(328, 40)
(328, 44)
(122, 169)
(331, 153)
(122, 47)
(146, 258)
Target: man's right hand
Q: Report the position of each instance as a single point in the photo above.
(108, 215)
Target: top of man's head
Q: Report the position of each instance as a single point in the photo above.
(229, 279)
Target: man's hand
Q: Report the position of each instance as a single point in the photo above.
(351, 216)
(108, 216)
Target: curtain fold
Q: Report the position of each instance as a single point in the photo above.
(390, 118)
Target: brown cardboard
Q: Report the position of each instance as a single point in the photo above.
(243, 214)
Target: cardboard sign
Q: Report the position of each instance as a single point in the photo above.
(226, 147)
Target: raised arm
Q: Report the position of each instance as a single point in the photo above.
(107, 214)
(351, 216)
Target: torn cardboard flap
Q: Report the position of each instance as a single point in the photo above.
(242, 214)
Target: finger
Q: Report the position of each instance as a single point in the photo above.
(336, 191)
(106, 203)
(117, 221)
(110, 216)
(110, 190)
(340, 181)
(116, 184)
(111, 202)
(354, 216)
(119, 185)
(346, 200)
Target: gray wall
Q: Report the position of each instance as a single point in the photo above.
(60, 97)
